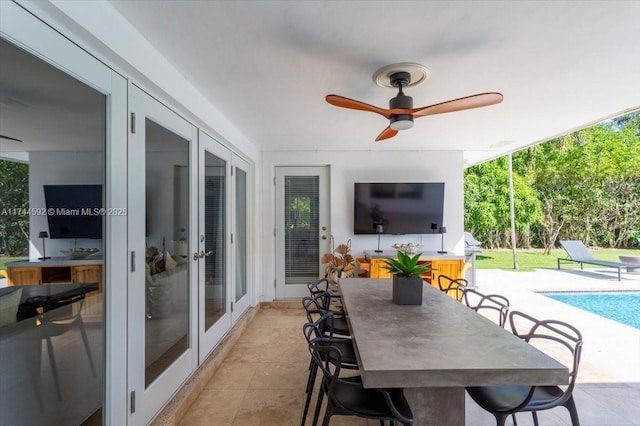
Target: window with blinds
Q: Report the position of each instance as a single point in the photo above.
(301, 208)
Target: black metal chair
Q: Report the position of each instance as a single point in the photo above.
(65, 315)
(323, 285)
(452, 286)
(318, 305)
(492, 302)
(501, 401)
(346, 395)
(323, 326)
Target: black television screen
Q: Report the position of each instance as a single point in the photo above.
(73, 211)
(401, 207)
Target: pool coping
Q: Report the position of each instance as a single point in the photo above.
(609, 347)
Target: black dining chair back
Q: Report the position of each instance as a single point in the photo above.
(318, 330)
(318, 286)
(318, 305)
(496, 304)
(65, 315)
(453, 287)
(335, 298)
(347, 396)
(552, 336)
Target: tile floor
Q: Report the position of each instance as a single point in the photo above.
(262, 380)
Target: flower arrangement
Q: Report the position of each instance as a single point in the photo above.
(340, 262)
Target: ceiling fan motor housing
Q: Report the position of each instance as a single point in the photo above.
(401, 101)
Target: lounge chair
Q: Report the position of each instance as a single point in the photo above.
(578, 253)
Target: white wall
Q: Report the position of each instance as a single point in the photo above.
(349, 167)
(59, 168)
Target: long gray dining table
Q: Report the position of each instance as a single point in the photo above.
(436, 349)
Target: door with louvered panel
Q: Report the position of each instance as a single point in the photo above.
(302, 228)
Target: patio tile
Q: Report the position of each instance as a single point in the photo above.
(214, 407)
(262, 380)
(233, 375)
(279, 376)
(270, 407)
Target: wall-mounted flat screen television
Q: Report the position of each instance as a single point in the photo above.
(73, 211)
(400, 207)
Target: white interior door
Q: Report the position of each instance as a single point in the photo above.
(302, 228)
(163, 231)
(213, 255)
(240, 237)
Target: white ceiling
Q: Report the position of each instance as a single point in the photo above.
(45, 108)
(267, 65)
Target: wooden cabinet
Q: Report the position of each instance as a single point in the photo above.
(24, 275)
(87, 274)
(450, 268)
(54, 273)
(378, 270)
(373, 267)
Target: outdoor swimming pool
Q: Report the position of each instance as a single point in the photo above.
(621, 306)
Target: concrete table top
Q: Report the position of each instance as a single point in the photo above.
(436, 349)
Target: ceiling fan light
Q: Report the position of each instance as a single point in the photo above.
(402, 122)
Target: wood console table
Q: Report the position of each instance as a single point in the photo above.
(57, 270)
(442, 264)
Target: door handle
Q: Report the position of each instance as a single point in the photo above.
(202, 254)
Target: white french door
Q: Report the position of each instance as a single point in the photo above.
(214, 212)
(163, 234)
(302, 227)
(222, 241)
(240, 237)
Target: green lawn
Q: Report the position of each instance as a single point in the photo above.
(4, 260)
(531, 259)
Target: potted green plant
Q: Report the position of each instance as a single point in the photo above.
(407, 278)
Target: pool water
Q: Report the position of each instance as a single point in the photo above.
(621, 306)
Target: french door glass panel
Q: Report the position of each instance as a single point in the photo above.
(240, 236)
(167, 236)
(241, 233)
(215, 292)
(213, 244)
(301, 227)
(51, 354)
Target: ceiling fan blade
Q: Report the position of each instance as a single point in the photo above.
(386, 134)
(460, 104)
(9, 138)
(341, 101)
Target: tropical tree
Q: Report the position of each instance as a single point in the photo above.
(14, 201)
(487, 211)
(587, 185)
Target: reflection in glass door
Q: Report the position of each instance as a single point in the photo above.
(166, 258)
(215, 293)
(162, 230)
(213, 259)
(240, 235)
(52, 157)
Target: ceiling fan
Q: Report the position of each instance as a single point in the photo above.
(401, 112)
